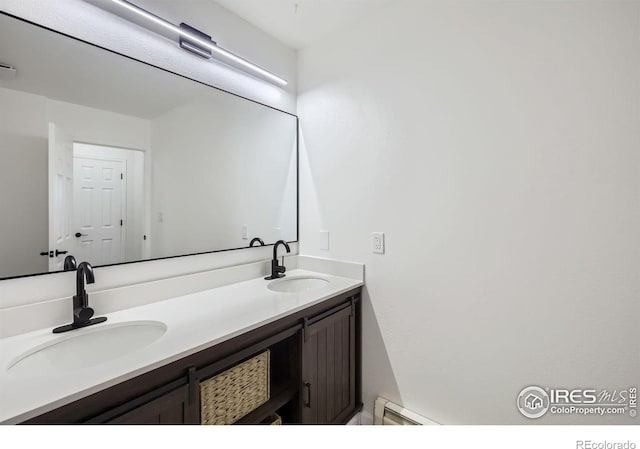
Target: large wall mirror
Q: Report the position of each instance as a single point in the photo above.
(112, 160)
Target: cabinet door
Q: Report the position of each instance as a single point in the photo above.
(328, 368)
(171, 408)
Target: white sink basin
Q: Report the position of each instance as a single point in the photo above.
(297, 284)
(88, 347)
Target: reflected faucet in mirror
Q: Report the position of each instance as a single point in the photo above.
(82, 313)
(256, 240)
(70, 263)
(277, 271)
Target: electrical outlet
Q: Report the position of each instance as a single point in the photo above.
(324, 240)
(378, 242)
(245, 232)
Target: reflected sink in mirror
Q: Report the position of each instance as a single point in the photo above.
(90, 347)
(297, 284)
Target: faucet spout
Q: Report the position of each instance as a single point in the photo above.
(85, 271)
(275, 248)
(277, 271)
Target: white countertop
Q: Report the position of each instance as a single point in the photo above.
(194, 322)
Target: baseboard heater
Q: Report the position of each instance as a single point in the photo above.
(387, 413)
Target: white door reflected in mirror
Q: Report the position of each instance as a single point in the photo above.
(97, 205)
(60, 195)
(108, 204)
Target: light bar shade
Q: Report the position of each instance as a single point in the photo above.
(224, 55)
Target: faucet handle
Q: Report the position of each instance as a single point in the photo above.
(84, 314)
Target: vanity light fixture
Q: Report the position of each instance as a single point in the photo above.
(201, 44)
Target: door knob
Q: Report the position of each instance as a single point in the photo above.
(80, 234)
(47, 253)
(60, 252)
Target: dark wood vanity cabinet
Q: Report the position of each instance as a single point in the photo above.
(174, 407)
(328, 366)
(315, 373)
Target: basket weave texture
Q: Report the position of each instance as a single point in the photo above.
(234, 393)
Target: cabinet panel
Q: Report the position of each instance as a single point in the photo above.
(328, 368)
(171, 408)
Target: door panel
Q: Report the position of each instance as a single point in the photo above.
(328, 368)
(98, 191)
(310, 379)
(171, 408)
(60, 195)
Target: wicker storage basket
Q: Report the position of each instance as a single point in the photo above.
(234, 393)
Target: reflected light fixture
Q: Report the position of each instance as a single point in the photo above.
(7, 72)
(202, 45)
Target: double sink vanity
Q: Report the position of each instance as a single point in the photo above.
(145, 364)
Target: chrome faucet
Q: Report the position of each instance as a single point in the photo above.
(82, 313)
(277, 271)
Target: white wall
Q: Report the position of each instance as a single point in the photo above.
(497, 145)
(86, 21)
(228, 162)
(96, 126)
(23, 168)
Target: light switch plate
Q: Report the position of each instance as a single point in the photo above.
(378, 242)
(324, 240)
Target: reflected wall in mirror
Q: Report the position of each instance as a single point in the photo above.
(112, 160)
